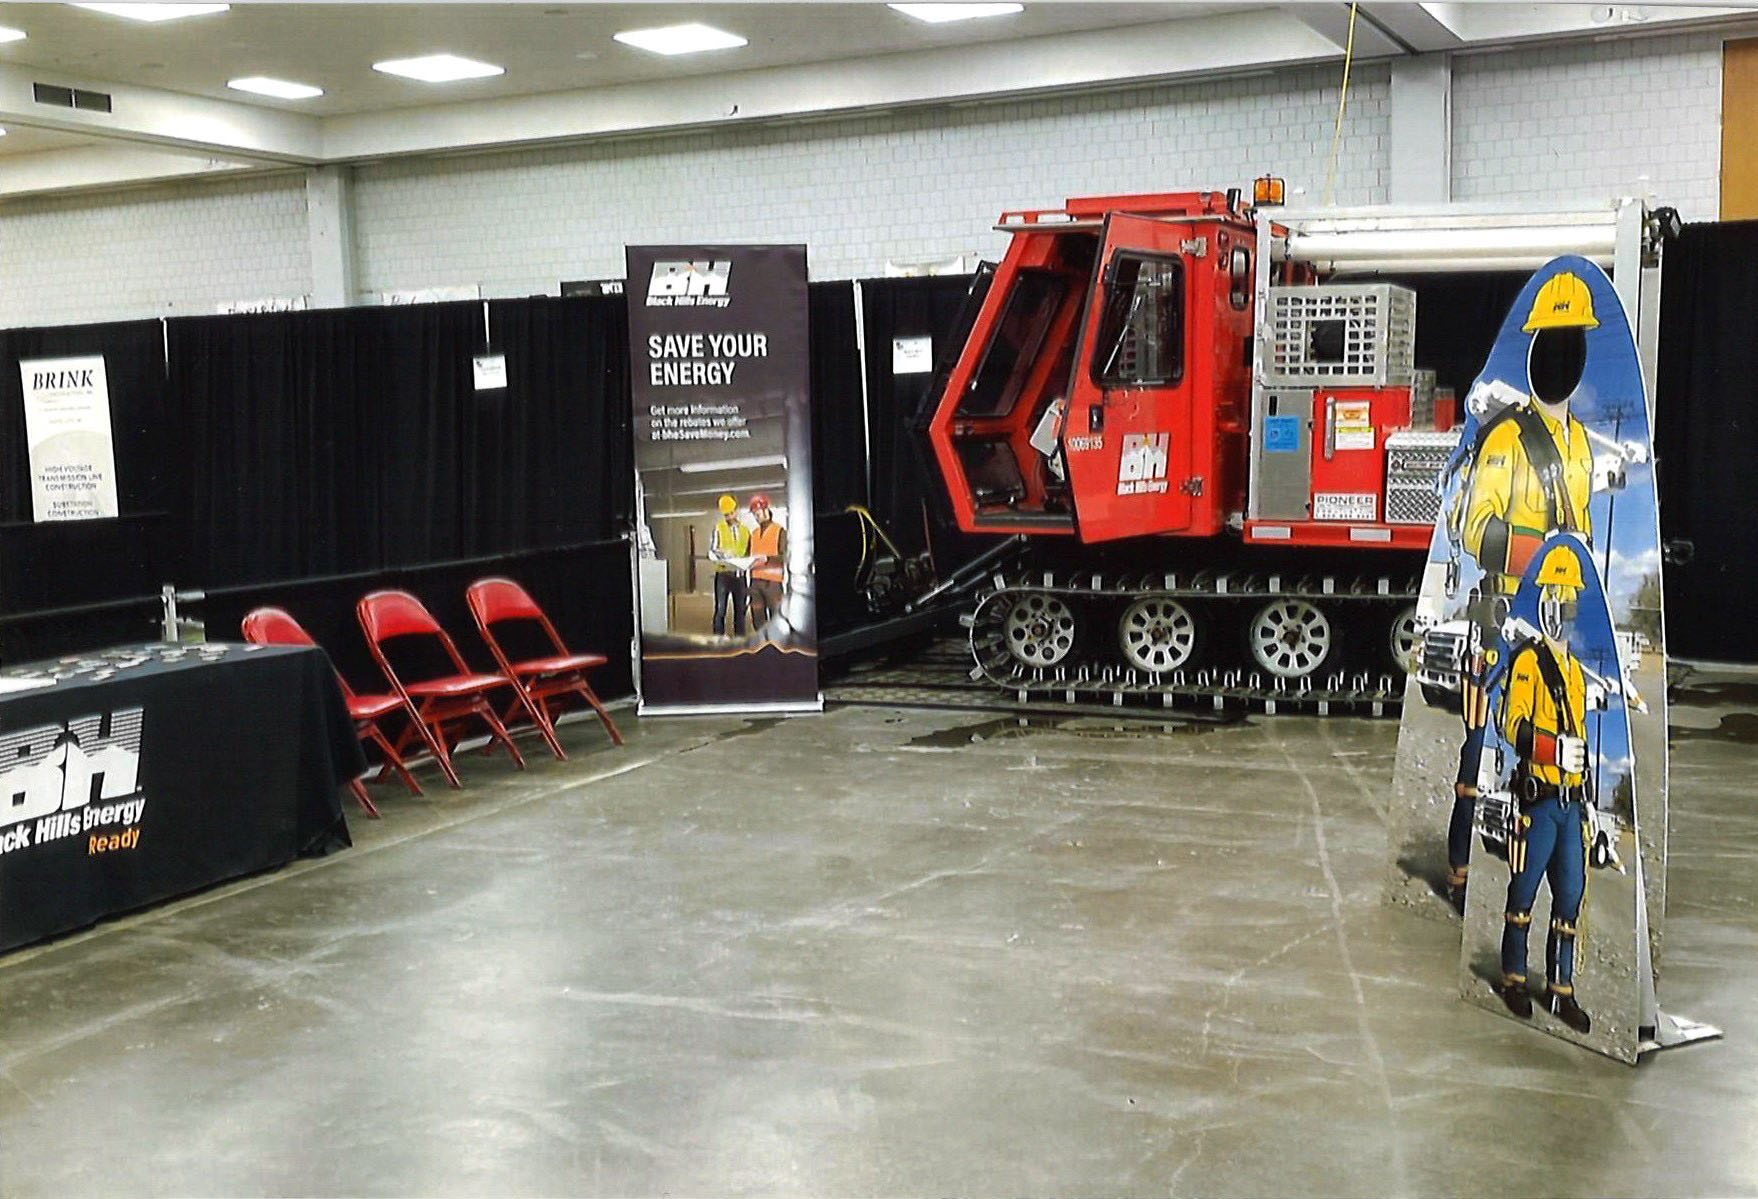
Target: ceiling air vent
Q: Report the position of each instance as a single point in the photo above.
(70, 97)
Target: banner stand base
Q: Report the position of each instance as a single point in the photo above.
(808, 707)
(1669, 1032)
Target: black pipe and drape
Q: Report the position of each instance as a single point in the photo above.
(56, 564)
(1706, 440)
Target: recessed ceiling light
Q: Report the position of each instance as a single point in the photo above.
(940, 14)
(155, 12)
(281, 89)
(680, 39)
(2, 133)
(438, 68)
(11, 35)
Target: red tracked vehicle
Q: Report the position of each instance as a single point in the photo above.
(1224, 472)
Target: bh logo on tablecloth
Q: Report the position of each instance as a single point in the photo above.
(80, 778)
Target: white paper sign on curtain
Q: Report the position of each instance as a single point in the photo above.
(72, 449)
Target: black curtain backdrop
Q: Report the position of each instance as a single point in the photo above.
(1706, 439)
(907, 495)
(90, 561)
(302, 458)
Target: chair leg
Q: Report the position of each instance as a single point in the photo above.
(540, 718)
(435, 736)
(418, 729)
(591, 697)
(485, 710)
(359, 789)
(393, 759)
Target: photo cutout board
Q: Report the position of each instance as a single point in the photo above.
(1551, 918)
(1565, 338)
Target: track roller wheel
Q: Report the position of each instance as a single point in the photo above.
(1291, 638)
(1402, 643)
(1157, 634)
(1039, 629)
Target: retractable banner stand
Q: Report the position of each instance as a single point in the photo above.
(723, 479)
(1531, 781)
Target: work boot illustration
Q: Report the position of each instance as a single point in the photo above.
(1564, 1008)
(1517, 998)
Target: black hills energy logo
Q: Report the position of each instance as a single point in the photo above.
(80, 778)
(689, 284)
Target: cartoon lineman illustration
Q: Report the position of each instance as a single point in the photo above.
(1530, 472)
(1549, 821)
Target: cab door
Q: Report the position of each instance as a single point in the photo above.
(1125, 431)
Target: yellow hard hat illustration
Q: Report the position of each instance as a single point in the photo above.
(728, 504)
(1560, 568)
(1564, 302)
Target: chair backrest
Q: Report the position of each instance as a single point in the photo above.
(497, 599)
(494, 600)
(387, 614)
(273, 626)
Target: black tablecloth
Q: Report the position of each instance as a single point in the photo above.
(144, 772)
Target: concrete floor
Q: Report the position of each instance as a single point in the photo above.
(874, 953)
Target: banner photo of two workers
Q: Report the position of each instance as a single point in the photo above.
(719, 377)
(1531, 779)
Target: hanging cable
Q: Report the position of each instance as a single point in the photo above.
(1342, 107)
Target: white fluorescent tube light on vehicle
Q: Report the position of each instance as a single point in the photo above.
(940, 14)
(154, 13)
(11, 35)
(438, 68)
(280, 89)
(680, 39)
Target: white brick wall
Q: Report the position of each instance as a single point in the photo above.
(168, 250)
(1592, 119)
(915, 185)
(1553, 122)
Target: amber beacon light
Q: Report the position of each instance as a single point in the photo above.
(1268, 189)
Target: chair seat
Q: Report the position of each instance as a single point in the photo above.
(457, 684)
(369, 707)
(558, 663)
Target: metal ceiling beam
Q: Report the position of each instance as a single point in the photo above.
(1331, 21)
(167, 120)
(1412, 26)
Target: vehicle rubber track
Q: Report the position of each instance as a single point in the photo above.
(1210, 609)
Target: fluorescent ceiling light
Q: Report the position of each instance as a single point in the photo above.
(280, 89)
(702, 468)
(155, 12)
(940, 14)
(11, 35)
(438, 68)
(680, 39)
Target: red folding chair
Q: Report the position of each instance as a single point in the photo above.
(276, 626)
(445, 699)
(535, 680)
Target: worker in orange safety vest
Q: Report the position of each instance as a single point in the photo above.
(769, 572)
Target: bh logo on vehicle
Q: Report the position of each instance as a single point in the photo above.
(683, 284)
(76, 779)
(1141, 469)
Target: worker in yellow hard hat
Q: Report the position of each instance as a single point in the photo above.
(1533, 469)
(730, 542)
(1544, 717)
(1530, 474)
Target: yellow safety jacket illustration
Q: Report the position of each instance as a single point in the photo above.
(1531, 718)
(733, 540)
(1509, 506)
(769, 541)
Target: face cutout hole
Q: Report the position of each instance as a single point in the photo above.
(1555, 363)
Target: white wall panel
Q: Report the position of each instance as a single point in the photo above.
(169, 250)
